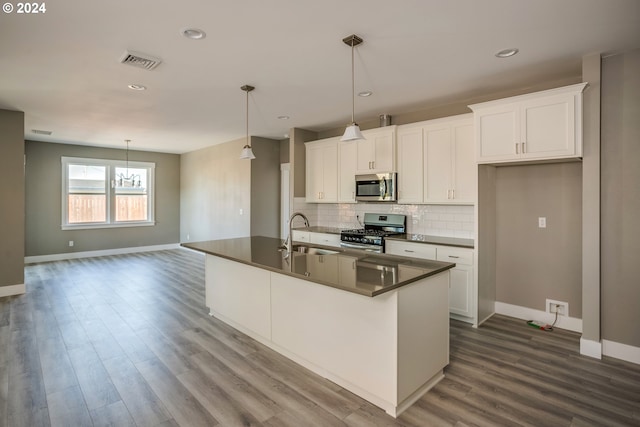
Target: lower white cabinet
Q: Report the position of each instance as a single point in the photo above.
(461, 298)
(462, 289)
(300, 236)
(326, 239)
(413, 250)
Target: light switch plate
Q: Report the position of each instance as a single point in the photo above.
(542, 222)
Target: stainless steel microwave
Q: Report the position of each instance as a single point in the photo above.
(377, 187)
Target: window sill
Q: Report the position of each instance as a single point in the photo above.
(116, 225)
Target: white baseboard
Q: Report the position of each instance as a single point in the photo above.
(105, 252)
(591, 348)
(7, 291)
(526, 313)
(620, 351)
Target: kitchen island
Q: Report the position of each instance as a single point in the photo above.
(376, 325)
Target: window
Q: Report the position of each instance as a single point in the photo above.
(101, 193)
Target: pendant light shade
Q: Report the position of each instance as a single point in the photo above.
(352, 132)
(247, 152)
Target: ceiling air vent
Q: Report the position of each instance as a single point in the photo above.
(140, 60)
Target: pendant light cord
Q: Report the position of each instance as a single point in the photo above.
(127, 141)
(353, 87)
(247, 142)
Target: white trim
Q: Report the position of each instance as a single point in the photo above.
(7, 291)
(621, 351)
(526, 313)
(104, 252)
(590, 348)
(110, 192)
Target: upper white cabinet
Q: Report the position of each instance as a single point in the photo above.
(322, 171)
(541, 126)
(436, 161)
(347, 152)
(376, 153)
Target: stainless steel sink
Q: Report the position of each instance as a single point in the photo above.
(313, 250)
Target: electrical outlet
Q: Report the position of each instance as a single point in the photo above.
(542, 222)
(70, 243)
(561, 307)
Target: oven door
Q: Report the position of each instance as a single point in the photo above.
(379, 187)
(362, 246)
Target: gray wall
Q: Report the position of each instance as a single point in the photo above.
(486, 241)
(533, 263)
(214, 185)
(621, 198)
(44, 235)
(12, 193)
(591, 277)
(265, 187)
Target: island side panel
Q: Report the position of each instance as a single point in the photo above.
(239, 294)
(351, 337)
(423, 336)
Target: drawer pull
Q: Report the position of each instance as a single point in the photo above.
(453, 256)
(407, 250)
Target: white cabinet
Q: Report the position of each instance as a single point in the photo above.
(347, 153)
(462, 289)
(540, 126)
(322, 171)
(436, 162)
(409, 249)
(376, 153)
(410, 165)
(300, 236)
(326, 239)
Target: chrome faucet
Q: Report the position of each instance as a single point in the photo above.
(288, 243)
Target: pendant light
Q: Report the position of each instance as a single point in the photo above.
(247, 152)
(352, 132)
(124, 179)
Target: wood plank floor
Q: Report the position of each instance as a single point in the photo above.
(127, 341)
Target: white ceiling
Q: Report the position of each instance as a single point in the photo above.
(62, 67)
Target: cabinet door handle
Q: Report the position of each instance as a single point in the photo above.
(373, 164)
(517, 152)
(453, 193)
(523, 151)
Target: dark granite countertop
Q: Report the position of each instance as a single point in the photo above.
(354, 271)
(434, 240)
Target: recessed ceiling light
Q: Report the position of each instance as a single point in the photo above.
(365, 93)
(283, 117)
(507, 53)
(137, 87)
(194, 34)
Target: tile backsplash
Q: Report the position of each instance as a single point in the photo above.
(436, 220)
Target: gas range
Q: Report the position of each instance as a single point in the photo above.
(376, 228)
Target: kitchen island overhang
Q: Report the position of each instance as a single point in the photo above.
(387, 342)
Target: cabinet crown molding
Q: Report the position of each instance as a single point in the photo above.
(576, 89)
